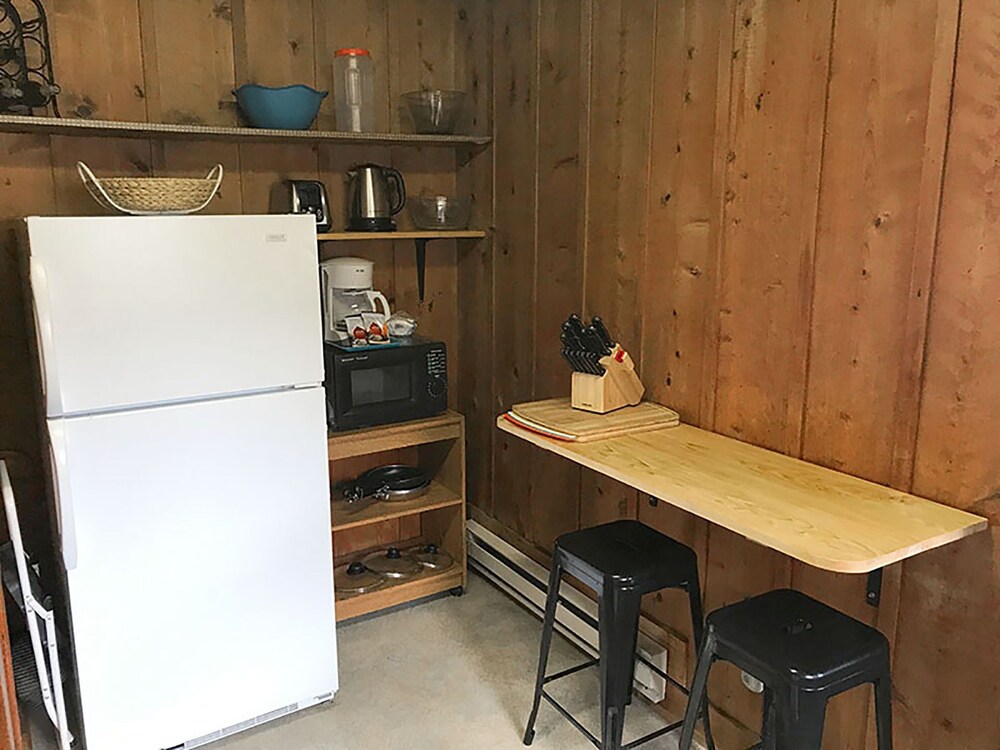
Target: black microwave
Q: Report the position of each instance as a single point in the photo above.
(381, 385)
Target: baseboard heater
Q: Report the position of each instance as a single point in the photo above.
(526, 581)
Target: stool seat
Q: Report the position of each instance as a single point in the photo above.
(804, 653)
(787, 635)
(628, 553)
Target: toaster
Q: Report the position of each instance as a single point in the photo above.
(302, 197)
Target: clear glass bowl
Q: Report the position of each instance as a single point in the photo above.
(440, 211)
(435, 111)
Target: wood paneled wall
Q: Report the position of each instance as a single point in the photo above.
(787, 211)
(178, 61)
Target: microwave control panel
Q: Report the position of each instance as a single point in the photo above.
(437, 372)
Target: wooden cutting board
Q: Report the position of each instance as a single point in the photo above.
(582, 426)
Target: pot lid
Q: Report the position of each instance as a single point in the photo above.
(430, 556)
(356, 578)
(392, 564)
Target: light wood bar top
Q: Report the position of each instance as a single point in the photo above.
(822, 517)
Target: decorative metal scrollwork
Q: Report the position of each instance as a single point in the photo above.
(26, 80)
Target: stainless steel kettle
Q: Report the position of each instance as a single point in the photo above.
(374, 195)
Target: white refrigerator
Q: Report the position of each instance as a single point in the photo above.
(182, 368)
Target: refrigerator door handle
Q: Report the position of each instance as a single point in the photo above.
(64, 496)
(41, 306)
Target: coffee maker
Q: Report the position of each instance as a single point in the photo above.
(347, 290)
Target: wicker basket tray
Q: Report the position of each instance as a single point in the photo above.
(147, 196)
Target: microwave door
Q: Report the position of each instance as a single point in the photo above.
(381, 387)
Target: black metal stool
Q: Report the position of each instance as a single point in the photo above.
(621, 561)
(805, 653)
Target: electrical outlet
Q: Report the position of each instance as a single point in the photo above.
(751, 683)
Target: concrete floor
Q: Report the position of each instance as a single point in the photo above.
(449, 674)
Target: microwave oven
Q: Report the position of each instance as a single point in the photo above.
(381, 385)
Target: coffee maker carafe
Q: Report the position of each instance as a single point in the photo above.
(347, 290)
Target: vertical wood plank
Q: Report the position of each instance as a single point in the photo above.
(273, 43)
(187, 54)
(618, 181)
(620, 115)
(515, 46)
(352, 23)
(97, 58)
(563, 94)
(945, 667)
(431, 170)
(263, 165)
(780, 61)
(881, 176)
(421, 51)
(474, 72)
(875, 238)
(684, 200)
(779, 81)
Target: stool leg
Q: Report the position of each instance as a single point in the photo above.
(699, 689)
(767, 733)
(883, 712)
(799, 721)
(619, 629)
(698, 630)
(548, 624)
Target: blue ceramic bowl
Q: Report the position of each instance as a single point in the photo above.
(285, 108)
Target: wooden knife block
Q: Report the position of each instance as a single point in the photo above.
(619, 385)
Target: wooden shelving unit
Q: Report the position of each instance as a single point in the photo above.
(462, 234)
(439, 516)
(116, 129)
(438, 496)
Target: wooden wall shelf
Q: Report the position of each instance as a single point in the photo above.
(116, 129)
(438, 496)
(459, 234)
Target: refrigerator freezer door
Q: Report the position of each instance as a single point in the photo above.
(134, 311)
(202, 595)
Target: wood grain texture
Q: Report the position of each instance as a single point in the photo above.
(421, 51)
(874, 252)
(618, 172)
(874, 247)
(474, 61)
(97, 58)
(945, 669)
(684, 199)
(352, 23)
(781, 58)
(273, 43)
(621, 86)
(816, 515)
(181, 87)
(515, 47)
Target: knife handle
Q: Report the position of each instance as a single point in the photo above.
(602, 331)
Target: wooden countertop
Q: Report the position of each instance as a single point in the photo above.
(822, 517)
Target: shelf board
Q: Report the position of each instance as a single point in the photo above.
(425, 584)
(460, 234)
(446, 426)
(116, 129)
(438, 496)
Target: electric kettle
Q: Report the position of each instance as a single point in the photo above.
(347, 290)
(374, 195)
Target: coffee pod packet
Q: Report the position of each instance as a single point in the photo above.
(375, 328)
(357, 331)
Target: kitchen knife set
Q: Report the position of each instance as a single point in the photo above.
(585, 345)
